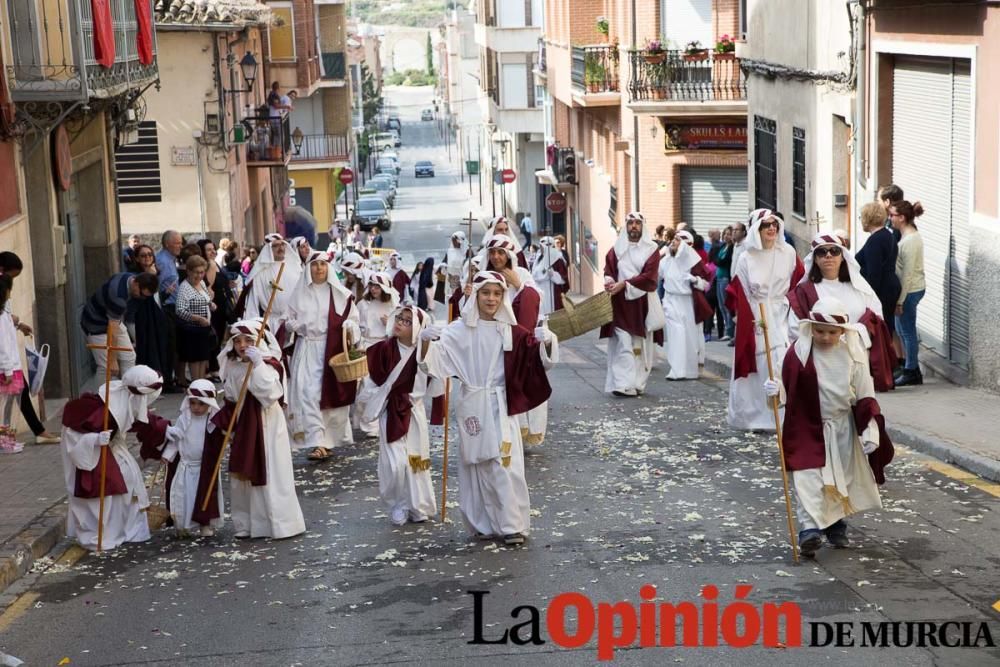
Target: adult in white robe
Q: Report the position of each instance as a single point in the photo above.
(275, 253)
(270, 509)
(500, 226)
(376, 306)
(547, 272)
(493, 492)
(455, 257)
(682, 333)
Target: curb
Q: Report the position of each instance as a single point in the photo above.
(18, 555)
(925, 443)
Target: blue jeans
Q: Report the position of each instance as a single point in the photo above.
(906, 326)
(721, 283)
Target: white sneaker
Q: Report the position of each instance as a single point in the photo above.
(242, 534)
(398, 517)
(207, 531)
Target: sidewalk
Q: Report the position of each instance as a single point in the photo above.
(33, 498)
(956, 424)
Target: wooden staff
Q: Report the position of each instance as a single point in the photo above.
(444, 465)
(108, 348)
(468, 253)
(275, 287)
(777, 428)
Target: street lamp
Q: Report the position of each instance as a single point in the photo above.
(248, 65)
(297, 138)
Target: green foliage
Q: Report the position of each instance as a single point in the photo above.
(411, 77)
(411, 13)
(370, 94)
(430, 56)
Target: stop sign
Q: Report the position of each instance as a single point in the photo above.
(508, 175)
(556, 202)
(346, 176)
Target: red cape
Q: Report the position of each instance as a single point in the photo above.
(86, 415)
(559, 290)
(247, 455)
(382, 359)
(702, 308)
(336, 394)
(400, 283)
(628, 315)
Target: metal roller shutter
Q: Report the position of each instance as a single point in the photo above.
(930, 154)
(713, 197)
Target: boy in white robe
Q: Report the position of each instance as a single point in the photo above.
(679, 271)
(376, 306)
(189, 440)
(500, 368)
(833, 434)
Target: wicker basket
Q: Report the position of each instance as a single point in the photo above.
(345, 368)
(157, 514)
(589, 314)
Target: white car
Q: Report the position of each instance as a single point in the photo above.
(384, 141)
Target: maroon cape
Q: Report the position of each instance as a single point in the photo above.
(702, 308)
(526, 305)
(630, 316)
(881, 357)
(745, 361)
(401, 282)
(521, 260)
(559, 290)
(86, 415)
(382, 359)
(802, 433)
(247, 455)
(526, 380)
(336, 394)
(210, 454)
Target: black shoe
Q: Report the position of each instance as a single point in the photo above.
(172, 389)
(914, 377)
(809, 542)
(837, 535)
(513, 539)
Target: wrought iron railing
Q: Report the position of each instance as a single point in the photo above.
(595, 68)
(542, 65)
(269, 139)
(676, 76)
(334, 65)
(52, 46)
(322, 148)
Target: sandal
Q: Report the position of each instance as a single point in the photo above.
(319, 454)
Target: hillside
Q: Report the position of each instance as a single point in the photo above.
(412, 13)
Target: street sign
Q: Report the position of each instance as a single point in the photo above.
(508, 175)
(556, 202)
(346, 176)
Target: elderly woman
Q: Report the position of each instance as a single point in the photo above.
(196, 340)
(147, 319)
(833, 273)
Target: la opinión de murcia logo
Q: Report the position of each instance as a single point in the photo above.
(705, 623)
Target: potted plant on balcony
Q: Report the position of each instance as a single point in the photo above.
(725, 48)
(694, 51)
(603, 26)
(595, 75)
(655, 54)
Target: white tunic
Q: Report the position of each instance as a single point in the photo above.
(631, 358)
(493, 496)
(682, 333)
(124, 516)
(184, 486)
(845, 484)
(310, 425)
(548, 280)
(766, 276)
(271, 510)
(260, 293)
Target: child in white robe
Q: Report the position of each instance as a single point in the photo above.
(378, 303)
(683, 335)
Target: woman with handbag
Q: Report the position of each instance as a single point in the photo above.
(196, 339)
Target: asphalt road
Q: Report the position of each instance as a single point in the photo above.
(625, 492)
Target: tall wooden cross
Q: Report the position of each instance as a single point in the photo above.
(109, 348)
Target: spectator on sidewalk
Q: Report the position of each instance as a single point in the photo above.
(128, 253)
(739, 244)
(148, 322)
(723, 259)
(220, 286)
(11, 375)
(107, 306)
(877, 258)
(714, 243)
(527, 228)
(195, 336)
(910, 269)
(171, 243)
(889, 195)
(249, 257)
(224, 253)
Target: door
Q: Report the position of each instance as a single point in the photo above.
(713, 197)
(82, 367)
(687, 21)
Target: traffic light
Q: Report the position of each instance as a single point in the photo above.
(567, 164)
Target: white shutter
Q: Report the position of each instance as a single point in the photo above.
(686, 21)
(713, 197)
(930, 160)
(514, 88)
(510, 14)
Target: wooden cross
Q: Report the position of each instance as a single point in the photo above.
(108, 347)
(469, 220)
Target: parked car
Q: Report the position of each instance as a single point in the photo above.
(384, 141)
(371, 211)
(423, 168)
(383, 188)
(390, 172)
(388, 162)
(426, 114)
(399, 140)
(393, 123)
(389, 181)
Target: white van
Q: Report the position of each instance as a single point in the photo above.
(384, 141)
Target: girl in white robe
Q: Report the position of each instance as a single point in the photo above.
(493, 492)
(186, 439)
(314, 427)
(380, 299)
(682, 334)
(270, 509)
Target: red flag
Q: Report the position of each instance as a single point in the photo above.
(104, 33)
(144, 36)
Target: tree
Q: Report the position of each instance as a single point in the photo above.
(430, 56)
(371, 95)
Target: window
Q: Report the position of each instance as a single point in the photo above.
(281, 39)
(613, 208)
(765, 157)
(799, 171)
(138, 167)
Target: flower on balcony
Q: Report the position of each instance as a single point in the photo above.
(654, 46)
(603, 26)
(725, 45)
(694, 48)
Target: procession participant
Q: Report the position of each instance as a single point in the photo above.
(500, 368)
(834, 435)
(319, 312)
(376, 306)
(355, 272)
(458, 253)
(396, 403)
(301, 246)
(631, 269)
(550, 275)
(684, 280)
(194, 443)
(83, 436)
(425, 285)
(500, 226)
(400, 281)
(262, 486)
(257, 293)
(831, 271)
(765, 273)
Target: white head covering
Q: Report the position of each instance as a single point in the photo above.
(268, 344)
(686, 257)
(353, 263)
(853, 268)
(129, 398)
(490, 233)
(265, 260)
(394, 255)
(645, 242)
(385, 283)
(470, 311)
(200, 390)
(753, 231)
(548, 255)
(832, 312)
(300, 299)
(462, 241)
(420, 320)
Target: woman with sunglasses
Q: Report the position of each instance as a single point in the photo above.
(146, 320)
(833, 273)
(764, 274)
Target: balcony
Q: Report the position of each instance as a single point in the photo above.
(269, 141)
(52, 44)
(334, 69)
(709, 84)
(541, 65)
(317, 149)
(595, 76)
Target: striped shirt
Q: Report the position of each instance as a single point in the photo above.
(192, 302)
(109, 302)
